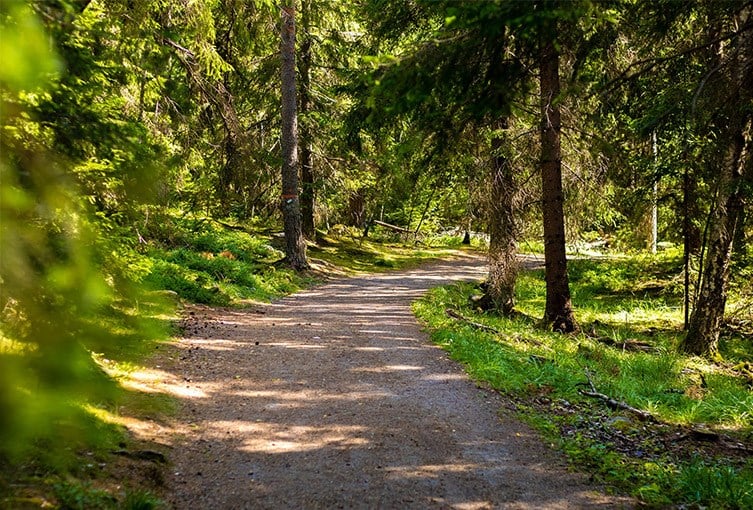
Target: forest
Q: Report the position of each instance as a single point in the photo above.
(159, 153)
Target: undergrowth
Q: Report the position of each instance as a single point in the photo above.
(73, 465)
(214, 263)
(696, 451)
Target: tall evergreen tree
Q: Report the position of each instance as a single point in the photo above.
(306, 134)
(735, 177)
(559, 311)
(295, 245)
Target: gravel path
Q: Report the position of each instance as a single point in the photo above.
(335, 398)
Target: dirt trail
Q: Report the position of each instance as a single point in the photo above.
(335, 398)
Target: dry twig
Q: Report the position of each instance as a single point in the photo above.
(483, 327)
(615, 404)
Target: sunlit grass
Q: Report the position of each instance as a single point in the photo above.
(361, 255)
(211, 265)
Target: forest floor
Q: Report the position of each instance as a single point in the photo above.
(335, 398)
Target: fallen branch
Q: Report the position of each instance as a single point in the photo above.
(710, 436)
(626, 345)
(615, 404)
(483, 327)
(392, 227)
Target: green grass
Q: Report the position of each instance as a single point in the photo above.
(208, 263)
(626, 300)
(82, 496)
(357, 255)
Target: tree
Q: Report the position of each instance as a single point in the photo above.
(307, 160)
(503, 250)
(735, 176)
(295, 245)
(559, 312)
(686, 74)
(459, 75)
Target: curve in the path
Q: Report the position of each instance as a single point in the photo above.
(335, 398)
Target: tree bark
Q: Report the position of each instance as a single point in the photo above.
(295, 246)
(559, 312)
(357, 208)
(705, 325)
(308, 199)
(503, 247)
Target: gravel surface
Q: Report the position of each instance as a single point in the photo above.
(335, 398)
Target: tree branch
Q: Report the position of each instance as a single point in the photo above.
(615, 404)
(483, 327)
(652, 62)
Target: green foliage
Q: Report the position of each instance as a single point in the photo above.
(82, 496)
(718, 486)
(74, 496)
(542, 373)
(49, 284)
(109, 105)
(141, 500)
(66, 283)
(210, 264)
(24, 49)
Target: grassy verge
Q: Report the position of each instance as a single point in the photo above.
(213, 263)
(697, 447)
(82, 459)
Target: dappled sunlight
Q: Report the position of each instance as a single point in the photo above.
(265, 437)
(429, 470)
(310, 397)
(335, 397)
(470, 505)
(295, 345)
(142, 428)
(386, 368)
(424, 277)
(158, 381)
(444, 377)
(215, 344)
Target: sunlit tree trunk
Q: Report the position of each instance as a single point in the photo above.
(559, 312)
(308, 197)
(734, 179)
(503, 247)
(295, 246)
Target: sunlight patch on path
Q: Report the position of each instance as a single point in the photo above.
(269, 437)
(159, 381)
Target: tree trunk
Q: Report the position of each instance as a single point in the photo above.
(503, 247)
(295, 246)
(706, 320)
(307, 165)
(737, 168)
(559, 312)
(357, 208)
